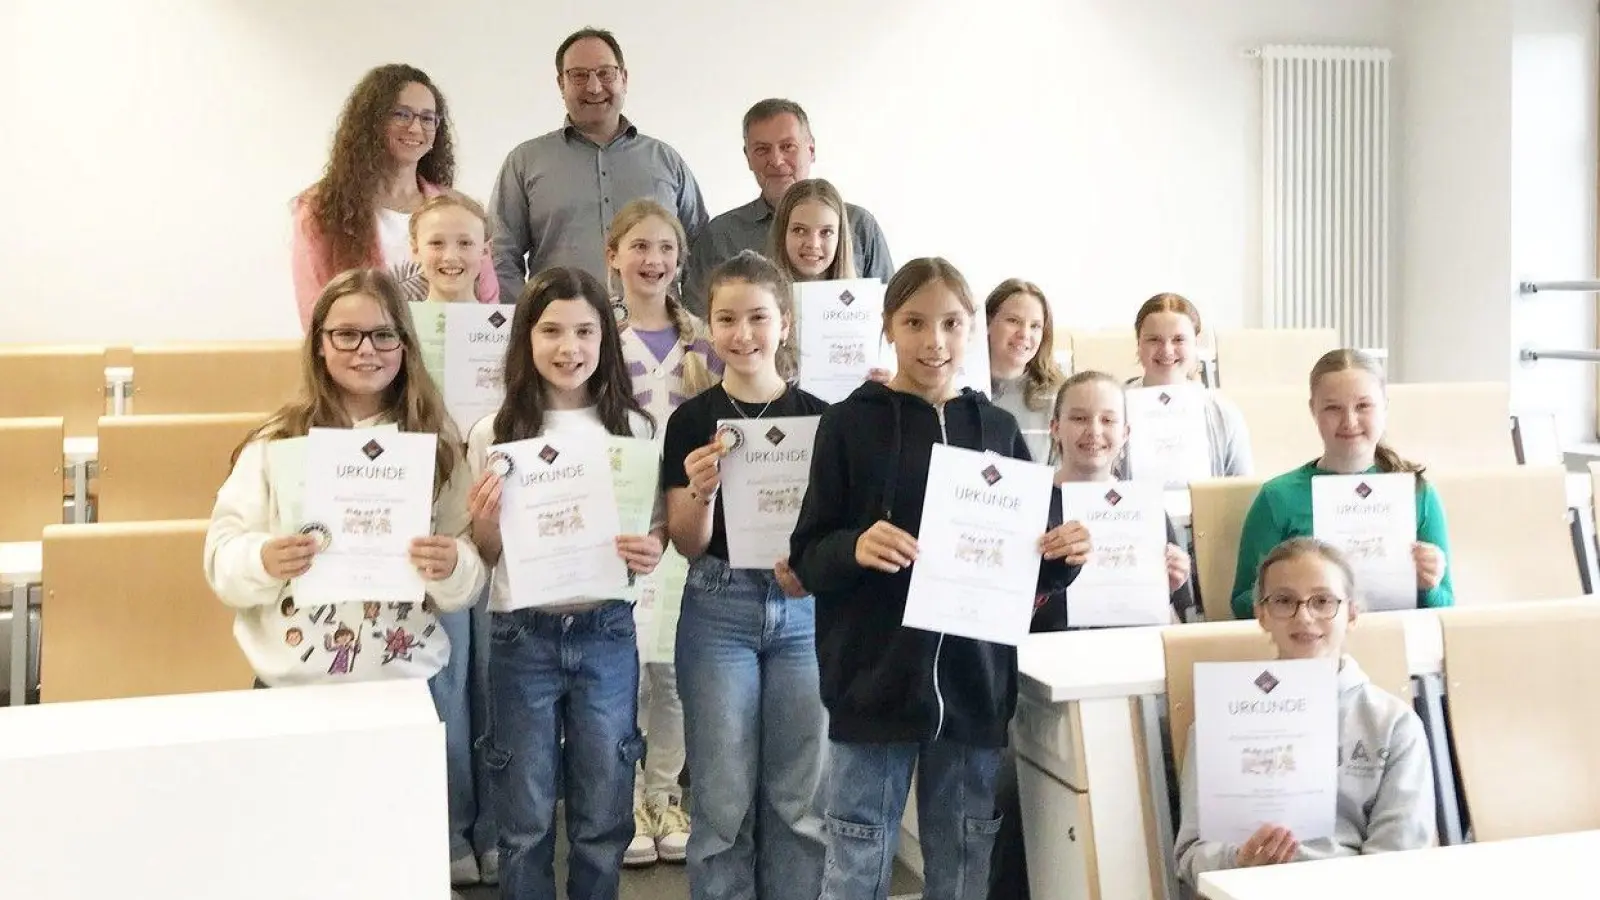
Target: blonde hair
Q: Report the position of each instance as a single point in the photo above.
(451, 199)
(697, 376)
(1042, 374)
(412, 401)
(817, 190)
(1296, 547)
(1168, 303)
(1344, 360)
(750, 267)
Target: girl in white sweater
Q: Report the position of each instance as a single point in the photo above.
(362, 369)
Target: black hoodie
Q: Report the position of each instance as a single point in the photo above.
(881, 682)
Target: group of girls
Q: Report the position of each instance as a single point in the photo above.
(805, 704)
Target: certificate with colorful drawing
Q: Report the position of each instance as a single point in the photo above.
(839, 324)
(368, 494)
(558, 519)
(977, 568)
(1124, 581)
(1373, 519)
(1168, 440)
(1266, 739)
(474, 360)
(764, 478)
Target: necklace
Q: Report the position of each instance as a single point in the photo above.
(741, 410)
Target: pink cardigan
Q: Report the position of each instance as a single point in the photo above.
(311, 273)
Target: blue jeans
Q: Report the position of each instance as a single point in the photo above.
(565, 690)
(754, 728)
(956, 820)
(460, 693)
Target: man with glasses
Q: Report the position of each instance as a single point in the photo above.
(779, 149)
(557, 193)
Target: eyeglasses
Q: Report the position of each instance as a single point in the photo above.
(1322, 606)
(607, 74)
(403, 117)
(349, 340)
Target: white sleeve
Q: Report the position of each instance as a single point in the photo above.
(239, 527)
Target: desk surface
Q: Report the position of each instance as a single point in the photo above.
(1128, 662)
(54, 728)
(21, 562)
(1554, 866)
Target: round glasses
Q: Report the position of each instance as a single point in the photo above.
(1321, 606)
(403, 117)
(349, 339)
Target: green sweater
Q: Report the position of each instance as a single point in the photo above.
(1283, 510)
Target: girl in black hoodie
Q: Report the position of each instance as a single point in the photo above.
(899, 697)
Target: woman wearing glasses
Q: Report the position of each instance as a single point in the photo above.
(1306, 600)
(392, 150)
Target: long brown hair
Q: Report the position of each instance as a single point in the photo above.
(1042, 374)
(521, 416)
(343, 201)
(750, 267)
(412, 401)
(1345, 359)
(818, 190)
(1169, 303)
(696, 376)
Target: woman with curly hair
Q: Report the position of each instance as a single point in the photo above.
(392, 150)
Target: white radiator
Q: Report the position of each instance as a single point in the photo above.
(1325, 190)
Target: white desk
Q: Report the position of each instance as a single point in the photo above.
(21, 567)
(332, 791)
(1090, 766)
(1554, 866)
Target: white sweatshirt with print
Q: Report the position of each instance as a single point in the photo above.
(289, 644)
(1386, 797)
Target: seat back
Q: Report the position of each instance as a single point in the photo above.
(1283, 435)
(65, 381)
(166, 467)
(1217, 510)
(1452, 426)
(1522, 682)
(1114, 352)
(1510, 536)
(127, 612)
(190, 379)
(31, 477)
(1270, 357)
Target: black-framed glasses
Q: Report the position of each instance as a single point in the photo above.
(1321, 606)
(606, 74)
(349, 339)
(403, 117)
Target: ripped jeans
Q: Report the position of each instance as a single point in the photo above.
(565, 691)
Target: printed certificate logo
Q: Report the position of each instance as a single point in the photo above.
(372, 449)
(549, 454)
(1112, 497)
(846, 298)
(1266, 682)
(496, 319)
(1363, 490)
(1164, 397)
(991, 475)
(775, 436)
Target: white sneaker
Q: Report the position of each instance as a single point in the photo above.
(489, 866)
(464, 871)
(671, 830)
(642, 850)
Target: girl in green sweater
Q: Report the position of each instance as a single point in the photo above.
(1350, 403)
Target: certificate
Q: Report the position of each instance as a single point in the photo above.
(558, 519)
(1168, 440)
(657, 607)
(840, 323)
(368, 493)
(286, 471)
(429, 321)
(474, 361)
(1266, 739)
(1124, 581)
(1373, 519)
(764, 478)
(977, 568)
(635, 471)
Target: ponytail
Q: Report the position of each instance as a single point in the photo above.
(1387, 460)
(697, 376)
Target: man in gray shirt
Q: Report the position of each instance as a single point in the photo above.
(779, 149)
(557, 193)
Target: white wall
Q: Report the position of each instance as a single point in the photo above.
(1104, 148)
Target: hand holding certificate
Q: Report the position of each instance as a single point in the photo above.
(977, 558)
(368, 494)
(558, 519)
(1124, 581)
(839, 323)
(764, 478)
(1266, 744)
(1373, 519)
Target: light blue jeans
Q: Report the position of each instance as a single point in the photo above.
(461, 695)
(866, 792)
(754, 729)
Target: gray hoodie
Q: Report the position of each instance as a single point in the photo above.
(1386, 799)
